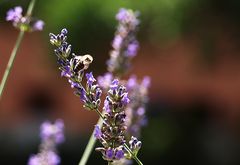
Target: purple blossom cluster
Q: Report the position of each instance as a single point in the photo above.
(135, 111)
(124, 44)
(51, 135)
(112, 133)
(25, 23)
(73, 67)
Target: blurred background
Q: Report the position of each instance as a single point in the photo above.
(189, 48)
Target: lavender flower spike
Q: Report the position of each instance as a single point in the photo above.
(136, 118)
(111, 135)
(125, 45)
(51, 135)
(73, 67)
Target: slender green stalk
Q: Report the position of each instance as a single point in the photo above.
(133, 155)
(14, 51)
(10, 62)
(30, 7)
(90, 145)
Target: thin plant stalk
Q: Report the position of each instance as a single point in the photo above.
(14, 51)
(90, 145)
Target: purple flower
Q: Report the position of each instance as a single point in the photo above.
(106, 106)
(105, 80)
(66, 72)
(125, 99)
(83, 95)
(45, 157)
(132, 49)
(74, 84)
(128, 16)
(34, 160)
(14, 14)
(124, 44)
(135, 144)
(97, 132)
(141, 111)
(53, 158)
(53, 131)
(119, 154)
(121, 15)
(117, 42)
(132, 82)
(114, 84)
(109, 153)
(146, 82)
(98, 93)
(38, 25)
(90, 78)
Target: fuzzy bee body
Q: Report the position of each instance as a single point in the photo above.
(79, 63)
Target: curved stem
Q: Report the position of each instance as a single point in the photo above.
(133, 155)
(90, 145)
(14, 51)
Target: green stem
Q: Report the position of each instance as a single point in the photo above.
(30, 7)
(133, 155)
(14, 51)
(10, 62)
(90, 145)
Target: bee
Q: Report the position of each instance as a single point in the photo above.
(78, 63)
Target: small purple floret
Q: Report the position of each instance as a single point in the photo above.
(83, 95)
(34, 160)
(119, 154)
(97, 132)
(53, 158)
(114, 84)
(117, 42)
(125, 99)
(38, 25)
(132, 82)
(105, 80)
(106, 106)
(90, 78)
(132, 49)
(146, 82)
(109, 153)
(14, 14)
(121, 15)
